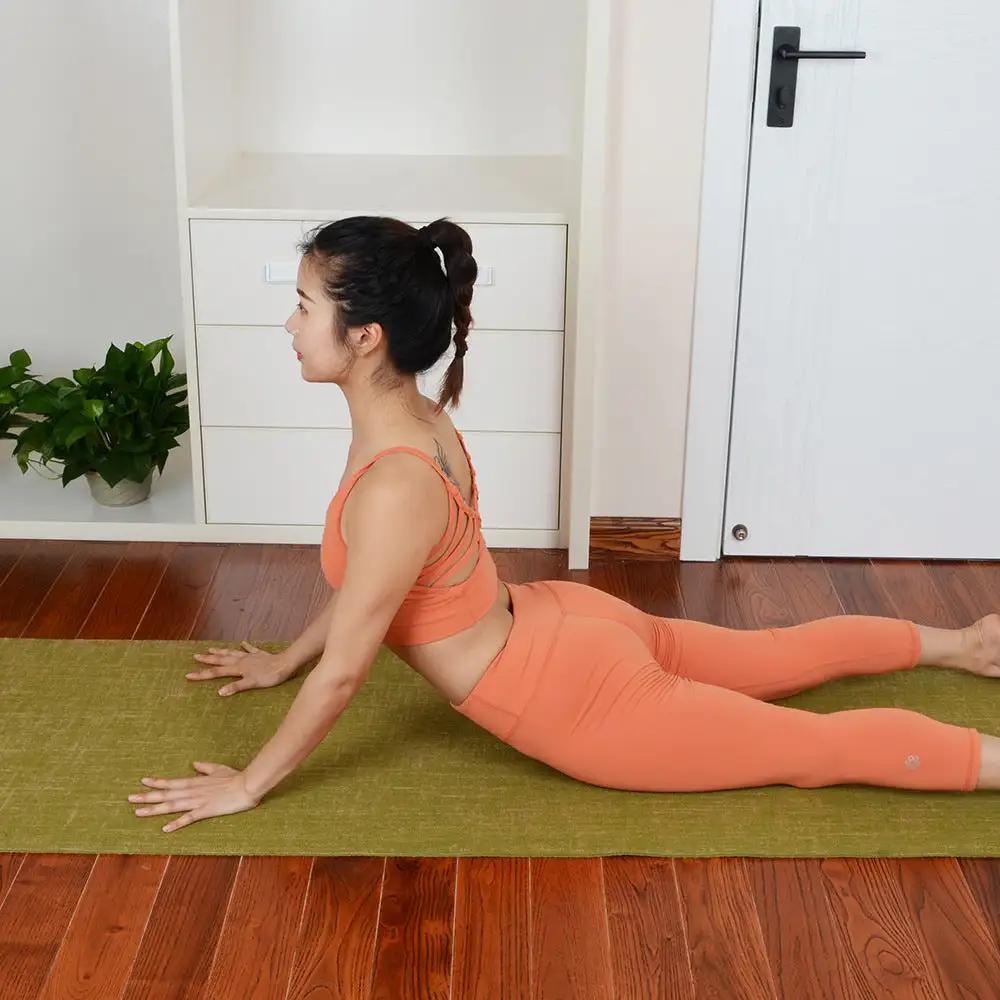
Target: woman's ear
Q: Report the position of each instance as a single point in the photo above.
(371, 334)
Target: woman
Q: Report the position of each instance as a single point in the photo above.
(564, 672)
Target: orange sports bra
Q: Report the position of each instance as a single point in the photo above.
(428, 611)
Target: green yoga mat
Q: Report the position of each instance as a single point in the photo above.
(402, 774)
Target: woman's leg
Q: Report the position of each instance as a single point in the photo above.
(763, 663)
(776, 662)
(602, 710)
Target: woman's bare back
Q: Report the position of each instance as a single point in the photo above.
(452, 665)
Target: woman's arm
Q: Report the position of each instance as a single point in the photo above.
(312, 642)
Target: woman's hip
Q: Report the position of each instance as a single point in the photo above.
(499, 696)
(556, 668)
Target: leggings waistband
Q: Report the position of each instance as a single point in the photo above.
(502, 693)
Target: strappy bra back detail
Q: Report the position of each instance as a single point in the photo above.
(431, 610)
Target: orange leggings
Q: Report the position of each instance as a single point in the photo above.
(611, 695)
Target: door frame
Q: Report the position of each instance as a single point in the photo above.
(718, 275)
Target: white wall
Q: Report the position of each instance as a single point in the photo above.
(308, 85)
(91, 249)
(86, 182)
(659, 89)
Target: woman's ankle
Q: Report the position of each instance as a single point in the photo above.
(946, 647)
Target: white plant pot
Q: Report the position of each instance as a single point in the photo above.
(125, 493)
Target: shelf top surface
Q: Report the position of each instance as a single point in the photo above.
(510, 189)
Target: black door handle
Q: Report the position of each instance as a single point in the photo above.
(790, 52)
(785, 56)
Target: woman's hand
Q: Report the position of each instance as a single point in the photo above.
(219, 791)
(257, 668)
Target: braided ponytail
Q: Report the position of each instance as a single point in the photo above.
(455, 245)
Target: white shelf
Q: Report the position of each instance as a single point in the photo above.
(31, 498)
(501, 189)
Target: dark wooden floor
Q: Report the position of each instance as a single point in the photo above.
(147, 926)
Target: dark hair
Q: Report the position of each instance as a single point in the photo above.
(381, 270)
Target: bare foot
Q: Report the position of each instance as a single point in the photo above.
(983, 649)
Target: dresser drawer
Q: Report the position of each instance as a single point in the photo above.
(244, 271)
(249, 376)
(263, 475)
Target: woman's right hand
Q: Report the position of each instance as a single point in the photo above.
(256, 669)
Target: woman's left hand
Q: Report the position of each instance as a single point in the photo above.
(219, 791)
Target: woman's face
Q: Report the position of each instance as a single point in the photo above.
(312, 328)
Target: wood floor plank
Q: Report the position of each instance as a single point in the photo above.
(122, 602)
(647, 940)
(988, 574)
(10, 863)
(183, 931)
(102, 940)
(651, 586)
(230, 591)
(859, 587)
(28, 581)
(959, 949)
(983, 878)
(570, 953)
(253, 959)
(809, 591)
(68, 602)
(882, 945)
(11, 552)
(335, 947)
(965, 591)
(413, 951)
(492, 940)
(36, 911)
(727, 949)
(911, 593)
(804, 946)
(275, 609)
(183, 589)
(755, 596)
(706, 594)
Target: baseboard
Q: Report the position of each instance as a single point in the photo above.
(636, 537)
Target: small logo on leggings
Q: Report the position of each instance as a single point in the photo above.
(912, 761)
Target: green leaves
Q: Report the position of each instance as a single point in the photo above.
(118, 420)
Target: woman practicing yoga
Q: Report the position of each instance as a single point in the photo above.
(563, 672)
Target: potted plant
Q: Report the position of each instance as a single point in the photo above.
(111, 424)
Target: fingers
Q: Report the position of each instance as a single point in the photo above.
(186, 820)
(220, 655)
(228, 668)
(174, 783)
(168, 806)
(226, 671)
(213, 672)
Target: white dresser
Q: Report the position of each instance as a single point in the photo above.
(274, 446)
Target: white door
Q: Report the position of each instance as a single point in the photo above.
(866, 407)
